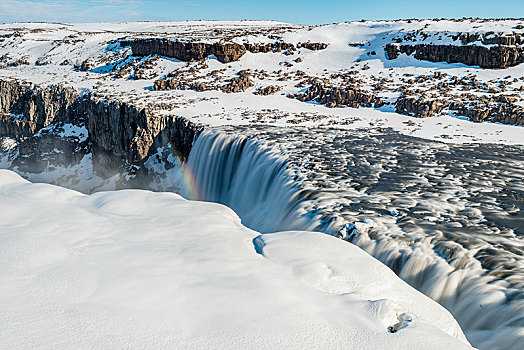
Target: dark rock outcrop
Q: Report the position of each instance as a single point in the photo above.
(333, 96)
(419, 106)
(392, 51)
(492, 38)
(14, 127)
(119, 133)
(172, 83)
(47, 150)
(166, 84)
(312, 46)
(238, 84)
(194, 51)
(132, 133)
(177, 81)
(87, 65)
(268, 90)
(186, 51)
(36, 106)
(497, 109)
(277, 46)
(494, 57)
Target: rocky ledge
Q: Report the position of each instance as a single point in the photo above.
(494, 57)
(333, 96)
(487, 50)
(119, 134)
(497, 108)
(195, 51)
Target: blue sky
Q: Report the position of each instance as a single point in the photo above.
(294, 11)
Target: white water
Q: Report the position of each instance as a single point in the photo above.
(247, 177)
(488, 310)
(253, 180)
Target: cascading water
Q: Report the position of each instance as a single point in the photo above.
(424, 209)
(246, 176)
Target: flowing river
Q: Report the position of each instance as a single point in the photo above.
(447, 218)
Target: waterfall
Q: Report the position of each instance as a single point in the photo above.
(248, 177)
(489, 310)
(256, 182)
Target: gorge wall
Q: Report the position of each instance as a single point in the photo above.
(24, 108)
(119, 133)
(346, 195)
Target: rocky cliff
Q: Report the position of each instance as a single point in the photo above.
(122, 131)
(185, 51)
(497, 109)
(493, 57)
(25, 109)
(279, 46)
(195, 51)
(119, 133)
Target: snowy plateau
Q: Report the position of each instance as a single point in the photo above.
(265, 185)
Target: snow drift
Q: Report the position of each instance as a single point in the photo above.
(136, 269)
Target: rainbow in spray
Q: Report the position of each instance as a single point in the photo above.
(189, 186)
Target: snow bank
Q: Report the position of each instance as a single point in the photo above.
(136, 269)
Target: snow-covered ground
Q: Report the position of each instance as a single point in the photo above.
(136, 269)
(50, 53)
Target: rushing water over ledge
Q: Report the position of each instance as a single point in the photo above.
(248, 177)
(448, 219)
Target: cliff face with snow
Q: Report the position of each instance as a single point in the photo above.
(487, 50)
(119, 133)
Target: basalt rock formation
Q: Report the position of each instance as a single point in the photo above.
(238, 84)
(25, 109)
(490, 38)
(494, 57)
(194, 51)
(279, 46)
(133, 133)
(334, 96)
(185, 51)
(175, 81)
(495, 109)
(500, 109)
(268, 90)
(419, 106)
(119, 133)
(39, 153)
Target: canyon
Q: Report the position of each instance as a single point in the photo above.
(399, 137)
